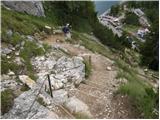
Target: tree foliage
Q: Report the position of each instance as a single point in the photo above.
(77, 13)
(150, 49)
(114, 10)
(131, 19)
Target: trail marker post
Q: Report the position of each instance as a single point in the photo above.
(50, 87)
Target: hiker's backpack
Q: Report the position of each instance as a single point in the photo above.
(65, 29)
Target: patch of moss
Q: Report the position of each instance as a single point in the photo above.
(88, 67)
(7, 65)
(25, 88)
(41, 101)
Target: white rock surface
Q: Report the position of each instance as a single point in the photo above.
(60, 96)
(6, 50)
(74, 105)
(22, 108)
(27, 80)
(30, 7)
(11, 72)
(63, 71)
(8, 84)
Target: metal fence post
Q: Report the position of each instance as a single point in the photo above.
(50, 87)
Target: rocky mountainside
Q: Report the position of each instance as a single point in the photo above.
(29, 7)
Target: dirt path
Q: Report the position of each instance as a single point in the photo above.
(98, 92)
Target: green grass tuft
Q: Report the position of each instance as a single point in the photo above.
(145, 99)
(7, 100)
(88, 68)
(7, 65)
(41, 101)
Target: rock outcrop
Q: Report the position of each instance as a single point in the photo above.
(25, 107)
(27, 80)
(64, 73)
(30, 7)
(75, 106)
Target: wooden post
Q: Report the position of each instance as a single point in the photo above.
(50, 87)
(89, 60)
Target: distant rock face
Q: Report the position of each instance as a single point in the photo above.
(31, 7)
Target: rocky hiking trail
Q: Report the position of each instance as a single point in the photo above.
(74, 94)
(98, 90)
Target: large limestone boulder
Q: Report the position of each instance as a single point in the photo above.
(25, 107)
(60, 96)
(27, 80)
(75, 106)
(30, 7)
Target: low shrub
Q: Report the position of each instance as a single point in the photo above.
(41, 101)
(7, 65)
(7, 100)
(88, 67)
(31, 49)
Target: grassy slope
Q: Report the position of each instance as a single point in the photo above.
(139, 90)
(22, 23)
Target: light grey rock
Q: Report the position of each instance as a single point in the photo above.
(56, 46)
(11, 73)
(8, 57)
(22, 43)
(74, 105)
(58, 31)
(22, 108)
(44, 64)
(27, 80)
(56, 84)
(30, 38)
(18, 61)
(17, 53)
(6, 51)
(13, 48)
(31, 7)
(9, 33)
(62, 72)
(47, 27)
(5, 77)
(71, 68)
(76, 45)
(60, 96)
(8, 84)
(82, 47)
(109, 68)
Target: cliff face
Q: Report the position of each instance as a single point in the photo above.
(29, 7)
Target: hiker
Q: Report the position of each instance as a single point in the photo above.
(66, 30)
